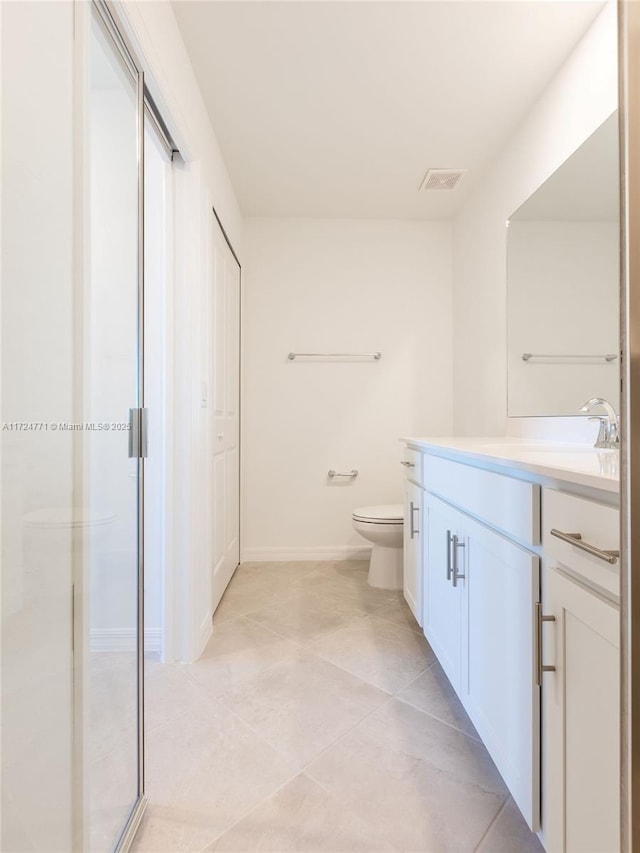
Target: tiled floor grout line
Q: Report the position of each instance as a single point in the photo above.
(435, 717)
(301, 643)
(321, 657)
(270, 794)
(363, 680)
(300, 771)
(301, 647)
(328, 791)
(360, 617)
(342, 736)
(491, 825)
(397, 625)
(217, 696)
(420, 674)
(277, 600)
(428, 713)
(335, 743)
(323, 660)
(377, 611)
(262, 801)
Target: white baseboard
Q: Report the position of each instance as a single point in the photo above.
(124, 640)
(288, 555)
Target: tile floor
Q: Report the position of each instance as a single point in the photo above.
(318, 720)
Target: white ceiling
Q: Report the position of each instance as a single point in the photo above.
(587, 185)
(337, 109)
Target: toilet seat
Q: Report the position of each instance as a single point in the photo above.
(382, 526)
(385, 514)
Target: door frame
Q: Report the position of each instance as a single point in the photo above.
(629, 118)
(237, 260)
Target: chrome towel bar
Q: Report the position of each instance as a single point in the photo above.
(375, 355)
(608, 357)
(332, 473)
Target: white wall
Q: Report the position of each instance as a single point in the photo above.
(581, 96)
(337, 286)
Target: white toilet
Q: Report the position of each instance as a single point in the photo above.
(382, 526)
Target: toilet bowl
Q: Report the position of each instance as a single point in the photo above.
(382, 526)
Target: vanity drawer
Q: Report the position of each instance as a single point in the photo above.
(412, 463)
(509, 505)
(598, 526)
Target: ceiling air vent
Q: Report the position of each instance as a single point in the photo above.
(441, 179)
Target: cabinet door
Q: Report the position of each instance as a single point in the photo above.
(413, 536)
(499, 687)
(442, 601)
(581, 720)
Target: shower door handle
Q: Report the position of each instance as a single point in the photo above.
(138, 433)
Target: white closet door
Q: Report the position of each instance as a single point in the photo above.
(225, 421)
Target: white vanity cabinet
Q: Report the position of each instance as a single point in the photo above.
(521, 607)
(479, 601)
(581, 708)
(413, 533)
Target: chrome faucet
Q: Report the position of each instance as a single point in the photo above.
(609, 432)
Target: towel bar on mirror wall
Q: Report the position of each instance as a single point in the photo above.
(375, 355)
(333, 473)
(608, 357)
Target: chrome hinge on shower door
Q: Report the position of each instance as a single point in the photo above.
(138, 429)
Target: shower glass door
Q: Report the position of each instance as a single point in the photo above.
(112, 537)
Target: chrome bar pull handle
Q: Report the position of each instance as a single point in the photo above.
(333, 473)
(412, 528)
(456, 575)
(449, 567)
(407, 464)
(610, 557)
(540, 666)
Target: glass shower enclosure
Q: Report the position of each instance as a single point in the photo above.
(113, 474)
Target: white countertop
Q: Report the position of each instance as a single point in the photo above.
(572, 463)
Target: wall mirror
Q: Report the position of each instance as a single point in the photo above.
(563, 285)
